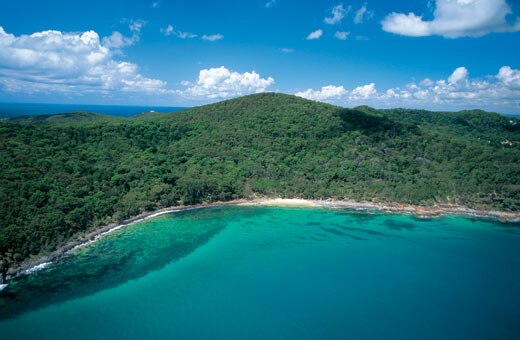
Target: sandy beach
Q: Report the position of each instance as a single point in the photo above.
(419, 211)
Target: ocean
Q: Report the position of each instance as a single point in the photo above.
(9, 110)
(278, 273)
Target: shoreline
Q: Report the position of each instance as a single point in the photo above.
(434, 211)
(35, 264)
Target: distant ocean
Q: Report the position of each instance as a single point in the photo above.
(8, 110)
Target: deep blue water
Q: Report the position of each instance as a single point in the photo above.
(8, 110)
(278, 273)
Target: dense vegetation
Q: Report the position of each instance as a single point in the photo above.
(62, 175)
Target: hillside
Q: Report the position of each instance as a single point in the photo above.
(63, 175)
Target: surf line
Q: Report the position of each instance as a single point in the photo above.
(96, 238)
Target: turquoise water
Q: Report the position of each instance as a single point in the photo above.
(278, 273)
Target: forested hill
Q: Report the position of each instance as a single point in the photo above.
(65, 174)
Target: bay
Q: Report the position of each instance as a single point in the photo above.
(242, 272)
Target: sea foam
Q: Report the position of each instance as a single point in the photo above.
(37, 267)
(111, 230)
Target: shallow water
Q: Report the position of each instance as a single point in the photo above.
(283, 273)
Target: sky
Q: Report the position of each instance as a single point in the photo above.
(431, 54)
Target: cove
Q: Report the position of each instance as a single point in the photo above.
(240, 272)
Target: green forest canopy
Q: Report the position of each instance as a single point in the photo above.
(62, 175)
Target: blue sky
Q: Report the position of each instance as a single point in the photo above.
(435, 54)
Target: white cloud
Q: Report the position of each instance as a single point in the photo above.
(364, 92)
(54, 61)
(500, 92)
(337, 14)
(212, 37)
(455, 19)
(315, 35)
(117, 40)
(459, 90)
(426, 82)
(180, 34)
(326, 93)
(459, 75)
(409, 25)
(167, 31)
(287, 50)
(220, 82)
(341, 35)
(509, 77)
(185, 35)
(135, 25)
(362, 14)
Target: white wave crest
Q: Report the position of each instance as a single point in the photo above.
(37, 267)
(111, 230)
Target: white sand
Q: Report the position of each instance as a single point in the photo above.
(282, 202)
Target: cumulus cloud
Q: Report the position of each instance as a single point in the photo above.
(326, 93)
(220, 82)
(406, 24)
(461, 90)
(212, 37)
(499, 92)
(509, 77)
(69, 62)
(337, 14)
(460, 74)
(364, 92)
(455, 19)
(315, 35)
(341, 35)
(362, 14)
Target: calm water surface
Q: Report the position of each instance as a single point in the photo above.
(278, 273)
